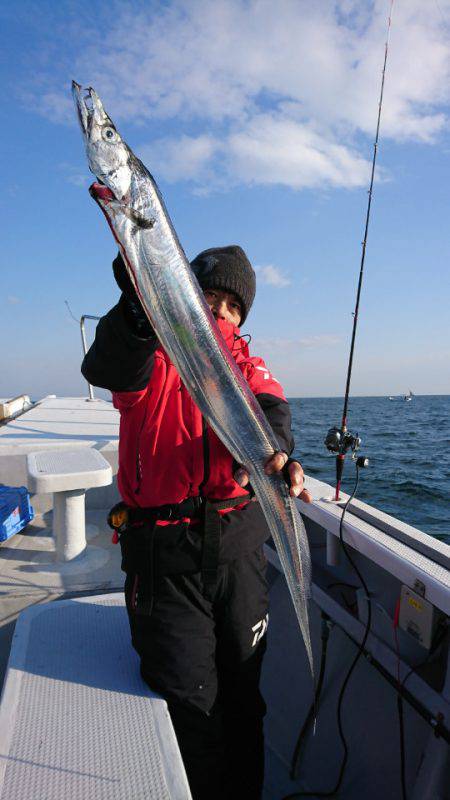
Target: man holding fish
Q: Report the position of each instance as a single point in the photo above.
(195, 407)
(191, 531)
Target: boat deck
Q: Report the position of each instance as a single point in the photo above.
(388, 553)
(61, 422)
(77, 720)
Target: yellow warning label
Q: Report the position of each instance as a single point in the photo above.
(415, 604)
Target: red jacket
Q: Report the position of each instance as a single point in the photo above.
(166, 451)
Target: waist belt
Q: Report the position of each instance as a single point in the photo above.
(122, 516)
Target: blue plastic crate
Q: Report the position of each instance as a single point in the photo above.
(15, 510)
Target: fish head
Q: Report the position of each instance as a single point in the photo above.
(108, 155)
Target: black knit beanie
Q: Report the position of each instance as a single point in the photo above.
(229, 269)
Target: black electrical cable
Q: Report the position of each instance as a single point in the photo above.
(361, 647)
(348, 605)
(342, 583)
(439, 728)
(326, 627)
(438, 638)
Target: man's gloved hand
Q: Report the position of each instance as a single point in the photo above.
(123, 280)
(133, 312)
(291, 469)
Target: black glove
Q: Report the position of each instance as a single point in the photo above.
(123, 280)
(133, 312)
(248, 488)
(285, 471)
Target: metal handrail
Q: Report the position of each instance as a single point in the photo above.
(85, 349)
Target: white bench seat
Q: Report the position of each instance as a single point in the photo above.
(76, 719)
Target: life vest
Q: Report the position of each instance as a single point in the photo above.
(167, 452)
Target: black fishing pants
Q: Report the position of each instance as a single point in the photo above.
(201, 648)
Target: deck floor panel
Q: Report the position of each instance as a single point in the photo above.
(76, 718)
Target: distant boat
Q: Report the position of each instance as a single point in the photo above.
(407, 397)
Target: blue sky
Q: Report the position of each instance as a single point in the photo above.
(257, 120)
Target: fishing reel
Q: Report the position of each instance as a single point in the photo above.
(340, 442)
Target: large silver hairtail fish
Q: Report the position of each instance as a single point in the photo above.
(175, 305)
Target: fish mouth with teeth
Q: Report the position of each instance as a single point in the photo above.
(108, 155)
(115, 166)
(90, 109)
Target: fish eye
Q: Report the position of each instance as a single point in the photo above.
(109, 134)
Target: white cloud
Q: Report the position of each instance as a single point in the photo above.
(186, 158)
(263, 92)
(272, 276)
(13, 300)
(274, 149)
(266, 149)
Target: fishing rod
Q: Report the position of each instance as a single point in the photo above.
(340, 440)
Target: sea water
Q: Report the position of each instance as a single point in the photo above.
(408, 446)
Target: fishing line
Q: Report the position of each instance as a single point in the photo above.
(71, 312)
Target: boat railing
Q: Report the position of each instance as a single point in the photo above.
(85, 348)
